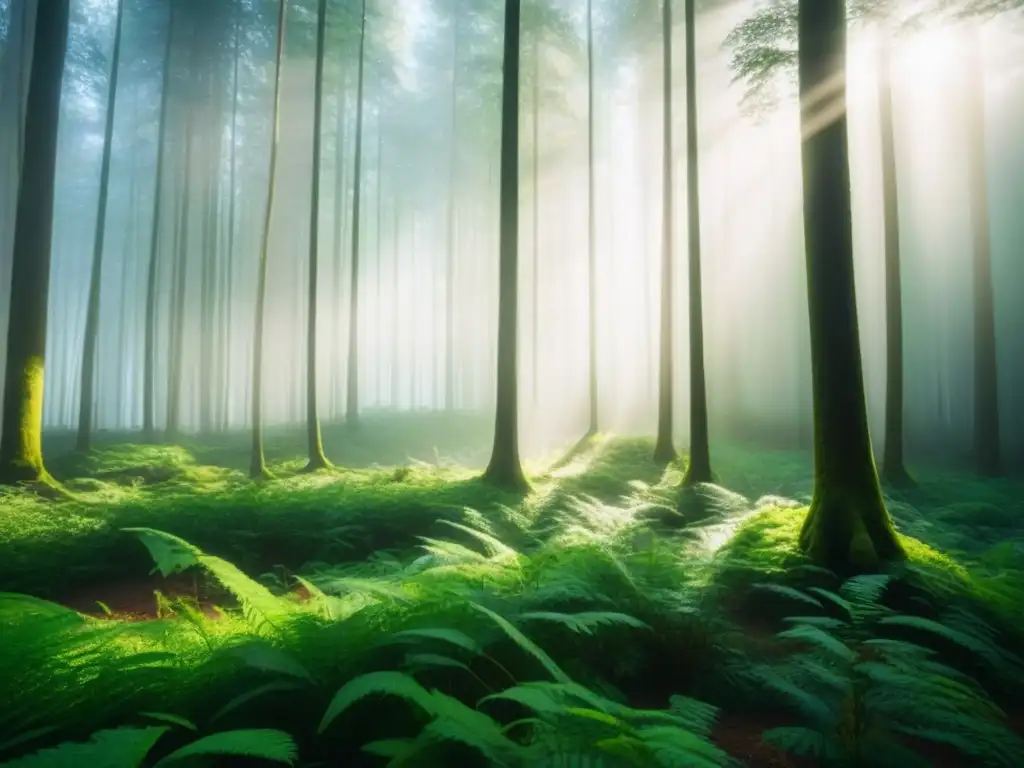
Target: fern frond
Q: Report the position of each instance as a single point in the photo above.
(386, 683)
(263, 744)
(820, 639)
(451, 636)
(584, 623)
(114, 748)
(275, 686)
(789, 592)
(525, 643)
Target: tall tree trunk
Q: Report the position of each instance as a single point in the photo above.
(986, 444)
(229, 278)
(699, 468)
(339, 220)
(664, 451)
(124, 392)
(208, 287)
(21, 448)
(591, 231)
(535, 324)
(378, 360)
(504, 468)
(352, 369)
(894, 471)
(92, 313)
(314, 442)
(449, 273)
(149, 361)
(847, 523)
(258, 463)
(395, 336)
(176, 368)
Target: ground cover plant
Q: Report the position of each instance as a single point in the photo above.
(599, 619)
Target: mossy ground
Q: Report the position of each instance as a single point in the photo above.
(603, 531)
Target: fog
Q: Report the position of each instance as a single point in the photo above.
(757, 340)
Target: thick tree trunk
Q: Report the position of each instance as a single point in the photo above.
(894, 470)
(699, 467)
(504, 468)
(986, 444)
(352, 369)
(92, 313)
(21, 449)
(315, 445)
(847, 523)
(258, 463)
(149, 361)
(664, 451)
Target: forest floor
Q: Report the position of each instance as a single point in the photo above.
(289, 589)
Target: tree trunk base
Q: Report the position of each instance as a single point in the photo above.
(697, 475)
(664, 453)
(260, 473)
(897, 477)
(35, 480)
(849, 532)
(317, 462)
(508, 478)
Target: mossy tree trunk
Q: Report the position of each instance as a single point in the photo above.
(87, 381)
(21, 449)
(315, 445)
(352, 368)
(592, 423)
(505, 469)
(986, 444)
(699, 468)
(149, 356)
(257, 462)
(894, 470)
(847, 523)
(664, 451)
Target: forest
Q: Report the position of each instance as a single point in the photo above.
(548, 383)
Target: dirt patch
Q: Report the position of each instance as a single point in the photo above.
(741, 737)
(136, 600)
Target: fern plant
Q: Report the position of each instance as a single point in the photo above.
(865, 699)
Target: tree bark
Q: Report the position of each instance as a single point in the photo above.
(847, 524)
(352, 369)
(258, 463)
(315, 445)
(664, 452)
(21, 450)
(591, 231)
(699, 467)
(505, 469)
(986, 444)
(87, 381)
(894, 470)
(149, 361)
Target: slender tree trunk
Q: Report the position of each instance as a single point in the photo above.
(847, 524)
(699, 468)
(664, 451)
(378, 361)
(591, 230)
(92, 312)
(504, 468)
(395, 336)
(986, 447)
(124, 391)
(149, 361)
(535, 324)
(258, 463)
(315, 445)
(21, 449)
(352, 371)
(229, 278)
(176, 368)
(208, 287)
(893, 469)
(339, 219)
(449, 274)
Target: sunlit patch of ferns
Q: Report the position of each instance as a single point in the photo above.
(865, 696)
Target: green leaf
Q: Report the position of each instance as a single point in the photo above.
(584, 623)
(263, 656)
(244, 698)
(433, 660)
(384, 682)
(172, 719)
(115, 748)
(170, 554)
(451, 636)
(819, 638)
(525, 643)
(784, 591)
(260, 743)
